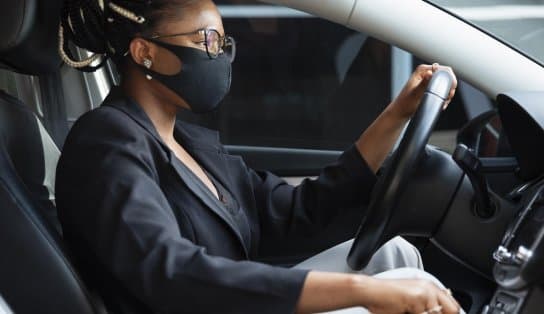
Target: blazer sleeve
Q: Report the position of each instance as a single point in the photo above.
(288, 212)
(129, 225)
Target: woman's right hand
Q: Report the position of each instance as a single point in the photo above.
(323, 292)
(408, 296)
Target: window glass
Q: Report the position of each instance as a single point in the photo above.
(519, 23)
(493, 141)
(301, 82)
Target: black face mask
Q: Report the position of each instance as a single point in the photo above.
(202, 82)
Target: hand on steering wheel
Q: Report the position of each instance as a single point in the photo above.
(374, 231)
(406, 103)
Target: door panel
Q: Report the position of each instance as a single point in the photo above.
(285, 162)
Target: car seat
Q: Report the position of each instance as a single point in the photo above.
(36, 274)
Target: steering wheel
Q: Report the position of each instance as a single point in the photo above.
(372, 232)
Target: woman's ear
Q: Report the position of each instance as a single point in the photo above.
(141, 50)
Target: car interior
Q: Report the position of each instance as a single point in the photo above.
(37, 275)
(481, 235)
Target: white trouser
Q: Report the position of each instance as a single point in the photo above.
(397, 259)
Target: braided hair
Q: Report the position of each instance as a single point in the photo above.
(106, 27)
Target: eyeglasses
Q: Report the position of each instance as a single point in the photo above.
(214, 42)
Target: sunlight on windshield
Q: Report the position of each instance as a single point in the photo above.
(520, 23)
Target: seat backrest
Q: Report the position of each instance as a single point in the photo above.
(32, 151)
(36, 275)
(28, 35)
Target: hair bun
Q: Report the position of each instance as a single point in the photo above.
(82, 24)
(106, 27)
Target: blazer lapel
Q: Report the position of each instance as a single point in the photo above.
(205, 195)
(203, 145)
(196, 140)
(221, 166)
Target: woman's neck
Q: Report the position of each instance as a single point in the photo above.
(162, 114)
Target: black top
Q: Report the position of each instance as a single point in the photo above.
(227, 201)
(233, 208)
(146, 231)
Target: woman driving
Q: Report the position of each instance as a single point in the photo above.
(162, 219)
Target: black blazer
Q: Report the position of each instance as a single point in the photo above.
(141, 224)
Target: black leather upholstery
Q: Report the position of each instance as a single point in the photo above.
(35, 276)
(29, 35)
(25, 148)
(35, 273)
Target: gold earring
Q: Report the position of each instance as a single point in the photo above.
(148, 63)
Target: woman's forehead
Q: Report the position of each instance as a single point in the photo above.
(202, 15)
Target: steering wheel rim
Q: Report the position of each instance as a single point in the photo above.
(372, 232)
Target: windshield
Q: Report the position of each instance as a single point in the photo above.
(520, 23)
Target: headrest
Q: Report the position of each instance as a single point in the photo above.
(29, 35)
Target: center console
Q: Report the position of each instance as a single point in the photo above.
(519, 259)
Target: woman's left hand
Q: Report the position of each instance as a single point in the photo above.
(378, 139)
(407, 102)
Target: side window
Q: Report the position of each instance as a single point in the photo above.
(299, 81)
(303, 82)
(84, 91)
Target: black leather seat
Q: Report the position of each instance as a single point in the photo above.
(32, 152)
(36, 275)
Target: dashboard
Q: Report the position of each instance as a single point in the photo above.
(519, 258)
(522, 117)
